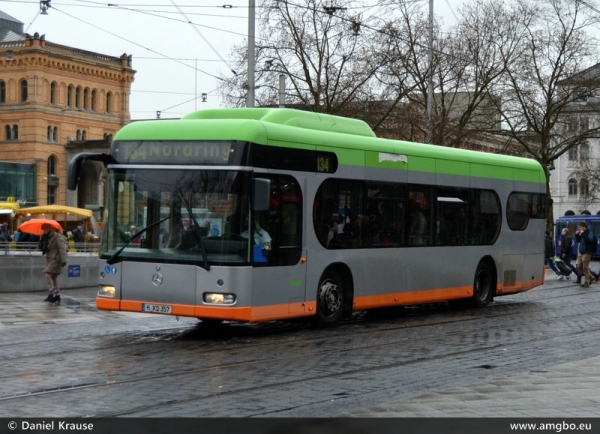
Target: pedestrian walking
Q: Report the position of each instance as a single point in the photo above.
(588, 243)
(549, 253)
(54, 247)
(566, 244)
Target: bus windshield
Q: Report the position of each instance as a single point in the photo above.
(203, 213)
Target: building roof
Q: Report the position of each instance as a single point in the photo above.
(6, 17)
(11, 29)
(7, 35)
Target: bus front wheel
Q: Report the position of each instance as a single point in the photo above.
(331, 299)
(483, 286)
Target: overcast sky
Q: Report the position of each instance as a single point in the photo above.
(175, 61)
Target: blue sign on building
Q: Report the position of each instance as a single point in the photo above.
(74, 270)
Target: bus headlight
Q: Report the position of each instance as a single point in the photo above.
(107, 291)
(216, 298)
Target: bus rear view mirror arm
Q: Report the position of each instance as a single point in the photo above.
(74, 169)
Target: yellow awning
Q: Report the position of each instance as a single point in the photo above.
(55, 209)
(9, 205)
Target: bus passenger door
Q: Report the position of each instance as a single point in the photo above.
(279, 277)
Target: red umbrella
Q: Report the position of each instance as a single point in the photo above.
(34, 226)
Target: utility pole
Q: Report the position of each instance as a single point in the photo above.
(251, 36)
(430, 78)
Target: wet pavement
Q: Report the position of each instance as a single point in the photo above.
(569, 389)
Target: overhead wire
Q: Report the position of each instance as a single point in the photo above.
(202, 36)
(136, 44)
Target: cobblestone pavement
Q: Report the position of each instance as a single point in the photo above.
(535, 354)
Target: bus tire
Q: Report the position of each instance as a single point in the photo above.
(483, 285)
(331, 299)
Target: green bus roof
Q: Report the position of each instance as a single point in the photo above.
(353, 141)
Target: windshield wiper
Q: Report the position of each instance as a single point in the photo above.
(189, 210)
(113, 258)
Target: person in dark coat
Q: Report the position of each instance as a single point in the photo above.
(79, 237)
(55, 250)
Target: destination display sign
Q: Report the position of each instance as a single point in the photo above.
(174, 152)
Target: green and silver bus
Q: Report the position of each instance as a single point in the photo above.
(264, 214)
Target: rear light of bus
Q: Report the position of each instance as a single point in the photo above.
(216, 298)
(107, 291)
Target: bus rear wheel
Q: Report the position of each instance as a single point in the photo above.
(331, 299)
(483, 286)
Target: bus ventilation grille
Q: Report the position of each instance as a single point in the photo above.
(510, 277)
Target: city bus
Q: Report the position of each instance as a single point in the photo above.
(264, 214)
(570, 222)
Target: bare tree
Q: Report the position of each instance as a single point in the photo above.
(542, 83)
(329, 56)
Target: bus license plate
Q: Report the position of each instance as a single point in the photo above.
(156, 308)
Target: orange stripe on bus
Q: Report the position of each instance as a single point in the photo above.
(300, 309)
(414, 297)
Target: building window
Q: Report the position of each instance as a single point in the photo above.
(585, 151)
(53, 93)
(584, 187)
(78, 135)
(108, 137)
(51, 195)
(83, 135)
(86, 96)
(108, 101)
(23, 90)
(51, 166)
(2, 91)
(93, 102)
(12, 132)
(78, 97)
(49, 135)
(55, 134)
(70, 96)
(572, 187)
(572, 155)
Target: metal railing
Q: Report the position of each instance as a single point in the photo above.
(13, 248)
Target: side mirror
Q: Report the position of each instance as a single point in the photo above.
(261, 194)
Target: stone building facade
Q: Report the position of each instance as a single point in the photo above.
(53, 99)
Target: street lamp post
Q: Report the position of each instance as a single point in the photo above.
(251, 36)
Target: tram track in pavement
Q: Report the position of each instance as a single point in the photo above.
(440, 321)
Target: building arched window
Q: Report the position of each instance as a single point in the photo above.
(572, 187)
(53, 92)
(569, 212)
(78, 135)
(52, 184)
(2, 91)
(70, 92)
(12, 132)
(584, 187)
(83, 135)
(51, 166)
(24, 90)
(78, 97)
(572, 154)
(585, 151)
(86, 96)
(93, 101)
(49, 134)
(55, 134)
(108, 101)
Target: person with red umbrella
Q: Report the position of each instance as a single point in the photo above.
(54, 248)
